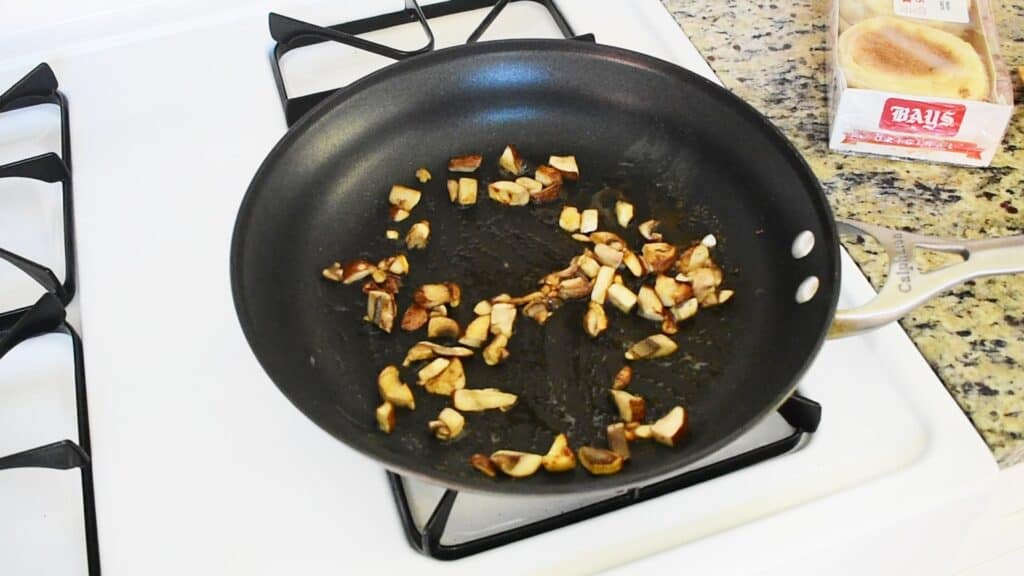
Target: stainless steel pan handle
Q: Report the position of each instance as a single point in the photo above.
(907, 288)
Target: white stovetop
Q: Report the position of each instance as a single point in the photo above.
(200, 464)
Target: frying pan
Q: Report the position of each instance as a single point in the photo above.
(680, 148)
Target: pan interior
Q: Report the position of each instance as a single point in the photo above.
(682, 150)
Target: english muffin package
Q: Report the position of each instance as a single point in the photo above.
(918, 79)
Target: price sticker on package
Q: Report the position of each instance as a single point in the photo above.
(941, 10)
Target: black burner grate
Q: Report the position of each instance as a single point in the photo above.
(47, 315)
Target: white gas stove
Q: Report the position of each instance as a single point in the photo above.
(202, 467)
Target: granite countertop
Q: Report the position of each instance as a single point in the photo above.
(773, 55)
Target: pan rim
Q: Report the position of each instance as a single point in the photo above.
(626, 57)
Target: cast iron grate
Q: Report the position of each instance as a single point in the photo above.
(47, 315)
(290, 34)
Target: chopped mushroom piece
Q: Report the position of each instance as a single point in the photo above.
(503, 317)
(724, 296)
(574, 289)
(386, 417)
(650, 304)
(432, 370)
(617, 439)
(603, 281)
(414, 318)
(441, 310)
(623, 213)
(449, 424)
(355, 271)
(482, 462)
(403, 197)
(607, 255)
(659, 256)
(432, 295)
(631, 408)
(381, 309)
(686, 310)
(516, 464)
(588, 220)
(581, 238)
(546, 194)
(393, 390)
(416, 353)
(648, 229)
(456, 294)
(531, 185)
(466, 191)
(599, 461)
(622, 378)
(670, 427)
(423, 175)
(621, 297)
(508, 193)
(588, 264)
(705, 280)
(566, 165)
(392, 234)
(671, 292)
(569, 219)
(477, 331)
(537, 311)
(397, 265)
(497, 351)
(453, 190)
(654, 346)
(548, 176)
(452, 378)
(442, 327)
(418, 235)
(634, 264)
(482, 308)
(693, 258)
(510, 161)
(610, 238)
(559, 457)
(478, 400)
(425, 350)
(643, 431)
(468, 163)
(397, 214)
(595, 321)
(669, 325)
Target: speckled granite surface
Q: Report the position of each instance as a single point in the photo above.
(773, 55)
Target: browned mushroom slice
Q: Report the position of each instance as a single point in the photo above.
(588, 221)
(654, 346)
(622, 378)
(532, 186)
(393, 390)
(648, 229)
(574, 289)
(423, 175)
(497, 351)
(482, 462)
(546, 194)
(631, 408)
(600, 462)
(385, 414)
(403, 197)
(381, 309)
(569, 219)
(467, 163)
(414, 318)
(477, 332)
(432, 295)
(671, 292)
(508, 193)
(693, 258)
(650, 306)
(418, 235)
(516, 464)
(705, 280)
(548, 176)
(442, 327)
(466, 192)
(560, 457)
(643, 431)
(669, 324)
(397, 264)
(418, 352)
(595, 321)
(617, 439)
(623, 213)
(607, 255)
(621, 297)
(670, 427)
(433, 369)
(659, 256)
(537, 311)
(503, 317)
(510, 161)
(685, 311)
(480, 399)
(566, 165)
(452, 378)
(634, 264)
(449, 424)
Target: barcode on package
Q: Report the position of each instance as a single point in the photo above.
(941, 10)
